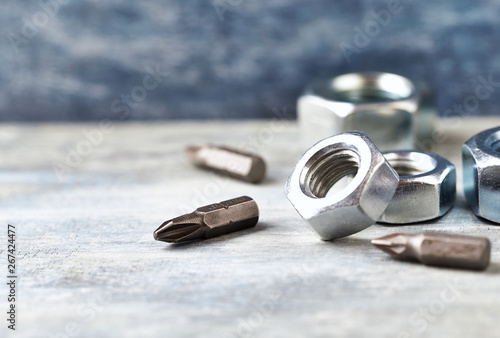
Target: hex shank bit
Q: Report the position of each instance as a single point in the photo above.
(210, 221)
(244, 166)
(433, 248)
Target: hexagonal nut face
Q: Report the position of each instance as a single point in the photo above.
(393, 111)
(481, 173)
(426, 190)
(355, 206)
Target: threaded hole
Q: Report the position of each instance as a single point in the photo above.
(493, 141)
(330, 169)
(365, 88)
(411, 164)
(366, 95)
(406, 168)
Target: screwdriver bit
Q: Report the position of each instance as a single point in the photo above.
(210, 221)
(244, 166)
(433, 248)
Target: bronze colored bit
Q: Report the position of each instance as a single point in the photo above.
(244, 166)
(210, 221)
(434, 248)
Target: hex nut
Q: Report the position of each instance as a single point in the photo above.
(481, 173)
(354, 207)
(396, 113)
(426, 190)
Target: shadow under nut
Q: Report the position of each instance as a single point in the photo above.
(426, 189)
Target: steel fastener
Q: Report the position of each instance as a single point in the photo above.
(481, 173)
(393, 111)
(426, 190)
(357, 205)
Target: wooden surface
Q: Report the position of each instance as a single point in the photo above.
(89, 266)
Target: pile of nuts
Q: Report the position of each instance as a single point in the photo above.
(400, 187)
(345, 183)
(397, 187)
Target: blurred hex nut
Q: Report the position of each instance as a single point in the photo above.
(331, 212)
(426, 190)
(393, 111)
(481, 172)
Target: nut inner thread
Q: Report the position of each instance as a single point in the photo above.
(328, 169)
(493, 141)
(407, 168)
(366, 95)
(366, 88)
(416, 164)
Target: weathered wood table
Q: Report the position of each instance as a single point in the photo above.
(85, 199)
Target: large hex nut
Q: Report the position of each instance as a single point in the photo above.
(426, 190)
(481, 172)
(393, 111)
(357, 205)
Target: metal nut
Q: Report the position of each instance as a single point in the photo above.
(481, 172)
(393, 111)
(426, 190)
(355, 206)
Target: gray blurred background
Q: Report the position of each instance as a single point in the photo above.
(232, 59)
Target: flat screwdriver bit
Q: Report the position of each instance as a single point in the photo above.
(434, 248)
(210, 221)
(243, 166)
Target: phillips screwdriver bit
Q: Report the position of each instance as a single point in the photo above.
(433, 248)
(244, 166)
(210, 221)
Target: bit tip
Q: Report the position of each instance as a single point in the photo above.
(393, 244)
(173, 232)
